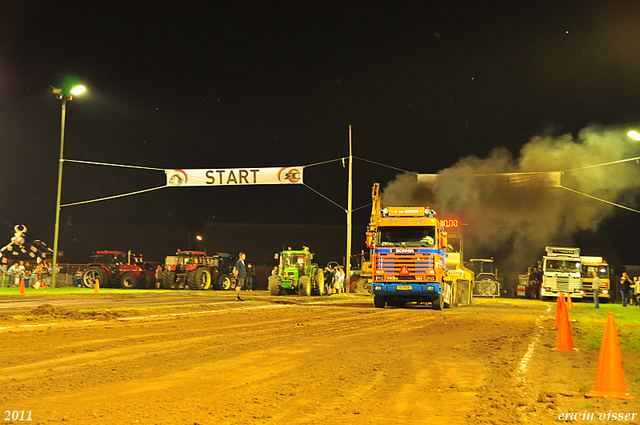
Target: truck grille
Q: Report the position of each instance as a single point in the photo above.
(405, 266)
(562, 284)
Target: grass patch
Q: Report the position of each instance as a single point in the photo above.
(586, 406)
(591, 321)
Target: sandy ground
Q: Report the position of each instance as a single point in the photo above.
(283, 360)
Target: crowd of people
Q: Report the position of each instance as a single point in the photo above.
(35, 276)
(334, 279)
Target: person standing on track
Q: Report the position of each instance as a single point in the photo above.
(159, 276)
(240, 272)
(596, 288)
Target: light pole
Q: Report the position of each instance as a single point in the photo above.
(64, 97)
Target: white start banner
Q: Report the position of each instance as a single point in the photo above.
(234, 176)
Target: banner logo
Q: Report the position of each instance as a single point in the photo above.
(292, 175)
(176, 177)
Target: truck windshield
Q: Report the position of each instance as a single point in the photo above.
(407, 236)
(565, 266)
(587, 271)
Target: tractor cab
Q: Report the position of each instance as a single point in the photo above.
(110, 259)
(486, 280)
(295, 263)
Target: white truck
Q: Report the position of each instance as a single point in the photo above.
(561, 273)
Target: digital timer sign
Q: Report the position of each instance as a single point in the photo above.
(449, 223)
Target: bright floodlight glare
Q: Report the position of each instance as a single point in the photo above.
(77, 90)
(199, 237)
(634, 135)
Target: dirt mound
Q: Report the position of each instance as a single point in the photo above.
(57, 312)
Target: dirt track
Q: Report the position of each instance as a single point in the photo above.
(329, 360)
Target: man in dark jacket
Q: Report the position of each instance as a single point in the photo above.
(625, 288)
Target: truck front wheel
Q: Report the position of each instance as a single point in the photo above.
(378, 301)
(437, 304)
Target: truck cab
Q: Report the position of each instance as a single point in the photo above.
(561, 273)
(408, 257)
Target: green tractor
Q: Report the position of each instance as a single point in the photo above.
(295, 273)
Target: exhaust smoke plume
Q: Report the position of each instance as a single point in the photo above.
(515, 222)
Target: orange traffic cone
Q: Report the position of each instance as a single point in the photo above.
(21, 289)
(569, 302)
(564, 342)
(610, 381)
(96, 287)
(559, 309)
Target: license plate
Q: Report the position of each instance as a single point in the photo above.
(404, 288)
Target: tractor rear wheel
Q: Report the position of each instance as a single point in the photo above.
(224, 282)
(199, 279)
(304, 286)
(129, 281)
(275, 285)
(144, 281)
(94, 273)
(169, 280)
(318, 282)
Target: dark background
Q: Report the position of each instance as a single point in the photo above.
(211, 84)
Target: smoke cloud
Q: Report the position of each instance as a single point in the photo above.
(514, 222)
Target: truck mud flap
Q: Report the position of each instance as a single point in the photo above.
(464, 293)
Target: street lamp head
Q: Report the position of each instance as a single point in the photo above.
(78, 90)
(63, 94)
(634, 135)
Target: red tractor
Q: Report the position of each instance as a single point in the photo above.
(192, 269)
(115, 268)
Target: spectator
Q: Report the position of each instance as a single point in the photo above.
(249, 277)
(625, 288)
(14, 273)
(159, 276)
(37, 275)
(339, 280)
(328, 277)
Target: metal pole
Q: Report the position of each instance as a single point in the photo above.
(347, 274)
(54, 268)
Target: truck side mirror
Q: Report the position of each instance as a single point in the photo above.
(443, 239)
(275, 256)
(369, 239)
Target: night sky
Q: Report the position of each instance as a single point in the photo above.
(210, 84)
